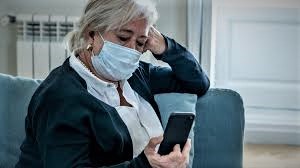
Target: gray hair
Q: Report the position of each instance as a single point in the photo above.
(106, 15)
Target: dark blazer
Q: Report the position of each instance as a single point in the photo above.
(68, 127)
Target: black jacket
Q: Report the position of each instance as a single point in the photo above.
(68, 127)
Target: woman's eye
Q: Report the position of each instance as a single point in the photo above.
(123, 38)
(140, 44)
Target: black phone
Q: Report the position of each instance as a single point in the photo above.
(176, 132)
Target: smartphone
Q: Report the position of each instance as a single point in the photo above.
(177, 131)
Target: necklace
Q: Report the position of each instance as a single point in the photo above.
(86, 67)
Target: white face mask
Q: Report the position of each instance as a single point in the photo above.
(116, 62)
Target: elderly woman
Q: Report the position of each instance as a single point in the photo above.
(98, 109)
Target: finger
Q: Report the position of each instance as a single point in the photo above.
(146, 47)
(148, 43)
(177, 148)
(151, 31)
(187, 147)
(153, 27)
(154, 33)
(175, 155)
(155, 141)
(154, 30)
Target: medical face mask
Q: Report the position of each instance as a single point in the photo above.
(116, 62)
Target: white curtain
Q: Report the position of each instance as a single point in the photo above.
(194, 27)
(199, 30)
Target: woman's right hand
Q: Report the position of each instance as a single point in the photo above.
(175, 159)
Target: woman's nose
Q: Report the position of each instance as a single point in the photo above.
(131, 44)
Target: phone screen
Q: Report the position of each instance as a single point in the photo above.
(177, 131)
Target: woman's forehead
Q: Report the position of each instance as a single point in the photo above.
(139, 27)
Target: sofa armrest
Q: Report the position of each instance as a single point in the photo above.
(219, 130)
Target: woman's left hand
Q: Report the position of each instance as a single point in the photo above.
(156, 42)
(175, 159)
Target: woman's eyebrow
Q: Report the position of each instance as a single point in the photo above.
(126, 31)
(131, 32)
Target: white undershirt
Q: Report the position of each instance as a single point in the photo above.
(140, 119)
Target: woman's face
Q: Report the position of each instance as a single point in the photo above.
(132, 35)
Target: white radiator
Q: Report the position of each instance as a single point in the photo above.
(40, 46)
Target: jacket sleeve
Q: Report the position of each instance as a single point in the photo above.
(65, 137)
(184, 76)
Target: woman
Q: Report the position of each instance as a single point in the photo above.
(97, 109)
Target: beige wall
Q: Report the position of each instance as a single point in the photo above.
(172, 22)
(172, 19)
(7, 47)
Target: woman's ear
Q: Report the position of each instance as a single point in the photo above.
(92, 34)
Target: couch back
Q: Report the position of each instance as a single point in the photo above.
(15, 94)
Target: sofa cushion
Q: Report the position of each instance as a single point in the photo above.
(15, 94)
(172, 102)
(177, 102)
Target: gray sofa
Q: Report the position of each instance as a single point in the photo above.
(219, 128)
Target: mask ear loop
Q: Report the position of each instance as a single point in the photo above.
(90, 46)
(101, 38)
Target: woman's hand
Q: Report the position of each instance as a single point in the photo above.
(176, 159)
(156, 42)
